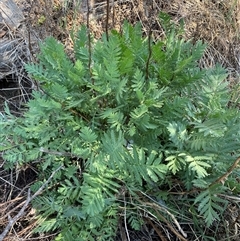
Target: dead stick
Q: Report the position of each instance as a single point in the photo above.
(159, 232)
(12, 221)
(225, 176)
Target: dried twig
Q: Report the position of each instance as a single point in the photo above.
(12, 221)
(223, 178)
(89, 38)
(149, 51)
(107, 19)
(125, 219)
(159, 233)
(158, 207)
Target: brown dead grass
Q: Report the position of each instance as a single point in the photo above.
(216, 22)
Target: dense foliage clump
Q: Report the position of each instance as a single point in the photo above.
(127, 122)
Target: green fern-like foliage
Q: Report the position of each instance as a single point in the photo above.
(118, 131)
(210, 205)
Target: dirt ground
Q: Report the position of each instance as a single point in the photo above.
(217, 23)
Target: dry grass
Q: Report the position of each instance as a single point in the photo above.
(216, 22)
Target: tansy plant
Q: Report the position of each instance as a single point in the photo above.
(127, 121)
